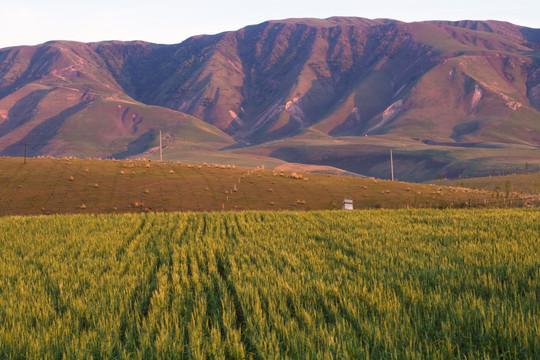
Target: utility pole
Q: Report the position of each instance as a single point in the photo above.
(160, 148)
(392, 164)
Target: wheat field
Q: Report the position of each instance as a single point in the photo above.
(376, 284)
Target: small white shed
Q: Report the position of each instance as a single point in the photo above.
(347, 204)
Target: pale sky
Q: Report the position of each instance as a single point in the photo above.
(31, 22)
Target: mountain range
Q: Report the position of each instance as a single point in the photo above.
(450, 98)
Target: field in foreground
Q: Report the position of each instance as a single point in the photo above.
(392, 284)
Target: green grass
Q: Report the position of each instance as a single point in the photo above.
(52, 186)
(407, 284)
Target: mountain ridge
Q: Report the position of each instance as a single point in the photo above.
(437, 83)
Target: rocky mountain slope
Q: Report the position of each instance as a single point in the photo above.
(338, 92)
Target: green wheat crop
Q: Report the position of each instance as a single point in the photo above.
(407, 284)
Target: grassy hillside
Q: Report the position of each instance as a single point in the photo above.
(521, 183)
(49, 186)
(408, 284)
